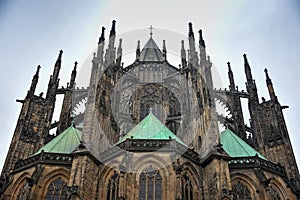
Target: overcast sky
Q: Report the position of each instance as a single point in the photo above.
(33, 31)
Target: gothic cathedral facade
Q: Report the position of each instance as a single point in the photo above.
(150, 130)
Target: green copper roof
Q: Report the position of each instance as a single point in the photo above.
(65, 142)
(236, 147)
(151, 128)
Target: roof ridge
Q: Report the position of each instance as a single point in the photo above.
(151, 46)
(65, 142)
(151, 128)
(237, 147)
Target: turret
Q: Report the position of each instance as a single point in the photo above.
(138, 51)
(164, 50)
(34, 82)
(110, 51)
(73, 75)
(270, 87)
(54, 80)
(101, 43)
(183, 55)
(119, 53)
(251, 86)
(193, 54)
(231, 79)
(202, 48)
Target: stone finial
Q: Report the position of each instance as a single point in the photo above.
(191, 32)
(102, 37)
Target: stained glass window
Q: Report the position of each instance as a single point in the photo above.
(187, 188)
(23, 192)
(150, 183)
(113, 187)
(240, 191)
(274, 193)
(57, 190)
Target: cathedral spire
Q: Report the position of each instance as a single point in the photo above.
(247, 69)
(251, 86)
(201, 41)
(183, 55)
(138, 51)
(34, 82)
(119, 53)
(193, 59)
(191, 32)
(111, 51)
(270, 87)
(113, 29)
(164, 50)
(231, 78)
(100, 51)
(73, 75)
(57, 66)
(202, 48)
(53, 82)
(102, 37)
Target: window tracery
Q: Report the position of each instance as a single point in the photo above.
(187, 188)
(57, 190)
(113, 187)
(241, 192)
(24, 192)
(274, 193)
(150, 184)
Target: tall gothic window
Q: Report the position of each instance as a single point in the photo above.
(24, 192)
(274, 194)
(187, 188)
(113, 187)
(150, 184)
(240, 192)
(57, 190)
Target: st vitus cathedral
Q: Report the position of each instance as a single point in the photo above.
(150, 131)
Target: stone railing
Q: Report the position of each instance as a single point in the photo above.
(136, 145)
(45, 158)
(254, 162)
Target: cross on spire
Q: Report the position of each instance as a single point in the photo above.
(151, 29)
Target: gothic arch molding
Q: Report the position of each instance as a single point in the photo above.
(277, 186)
(195, 176)
(108, 170)
(52, 176)
(137, 165)
(246, 181)
(20, 182)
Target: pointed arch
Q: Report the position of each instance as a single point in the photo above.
(151, 176)
(54, 184)
(18, 189)
(150, 184)
(243, 187)
(109, 181)
(112, 187)
(276, 190)
(149, 159)
(241, 191)
(189, 182)
(57, 189)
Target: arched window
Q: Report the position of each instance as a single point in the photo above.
(186, 188)
(240, 191)
(113, 187)
(274, 193)
(24, 192)
(57, 190)
(150, 184)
